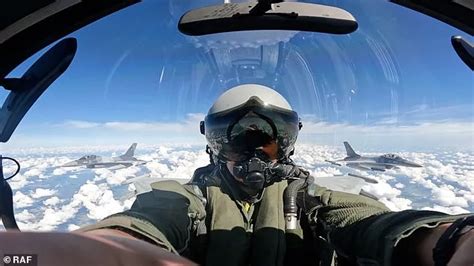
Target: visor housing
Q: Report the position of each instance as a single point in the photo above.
(246, 130)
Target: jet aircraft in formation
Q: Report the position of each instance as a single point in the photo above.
(375, 163)
(112, 163)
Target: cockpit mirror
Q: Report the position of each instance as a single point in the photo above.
(464, 49)
(26, 90)
(267, 15)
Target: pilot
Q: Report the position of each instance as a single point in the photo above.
(235, 210)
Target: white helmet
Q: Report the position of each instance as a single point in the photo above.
(249, 118)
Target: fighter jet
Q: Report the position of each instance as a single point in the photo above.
(112, 163)
(377, 163)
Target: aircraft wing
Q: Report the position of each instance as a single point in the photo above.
(387, 166)
(333, 162)
(366, 179)
(358, 166)
(368, 194)
(127, 196)
(367, 166)
(380, 166)
(117, 167)
(143, 183)
(348, 184)
(110, 165)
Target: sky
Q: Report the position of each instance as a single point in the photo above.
(395, 83)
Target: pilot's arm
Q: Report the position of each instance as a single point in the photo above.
(364, 231)
(164, 216)
(159, 221)
(153, 232)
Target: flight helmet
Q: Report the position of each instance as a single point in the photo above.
(250, 121)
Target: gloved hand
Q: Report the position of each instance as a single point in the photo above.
(302, 188)
(301, 191)
(307, 199)
(300, 179)
(282, 171)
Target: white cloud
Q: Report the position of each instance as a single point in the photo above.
(35, 166)
(21, 200)
(158, 169)
(24, 216)
(399, 185)
(468, 195)
(442, 134)
(311, 127)
(128, 203)
(72, 227)
(437, 171)
(98, 200)
(53, 217)
(449, 210)
(33, 172)
(170, 163)
(42, 192)
(60, 171)
(397, 204)
(446, 197)
(8, 168)
(52, 201)
(382, 190)
(18, 182)
(188, 125)
(115, 177)
(325, 171)
(80, 124)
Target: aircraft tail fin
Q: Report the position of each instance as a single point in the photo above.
(131, 151)
(350, 152)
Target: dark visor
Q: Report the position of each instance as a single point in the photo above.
(239, 133)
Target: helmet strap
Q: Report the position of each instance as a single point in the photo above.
(212, 158)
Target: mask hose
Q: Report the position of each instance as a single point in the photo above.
(290, 208)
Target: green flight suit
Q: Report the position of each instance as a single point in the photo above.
(208, 222)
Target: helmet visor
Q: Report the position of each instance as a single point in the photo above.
(250, 130)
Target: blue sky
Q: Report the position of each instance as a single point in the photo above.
(135, 77)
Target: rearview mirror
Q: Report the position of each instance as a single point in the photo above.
(26, 90)
(264, 15)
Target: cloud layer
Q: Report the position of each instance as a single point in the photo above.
(51, 198)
